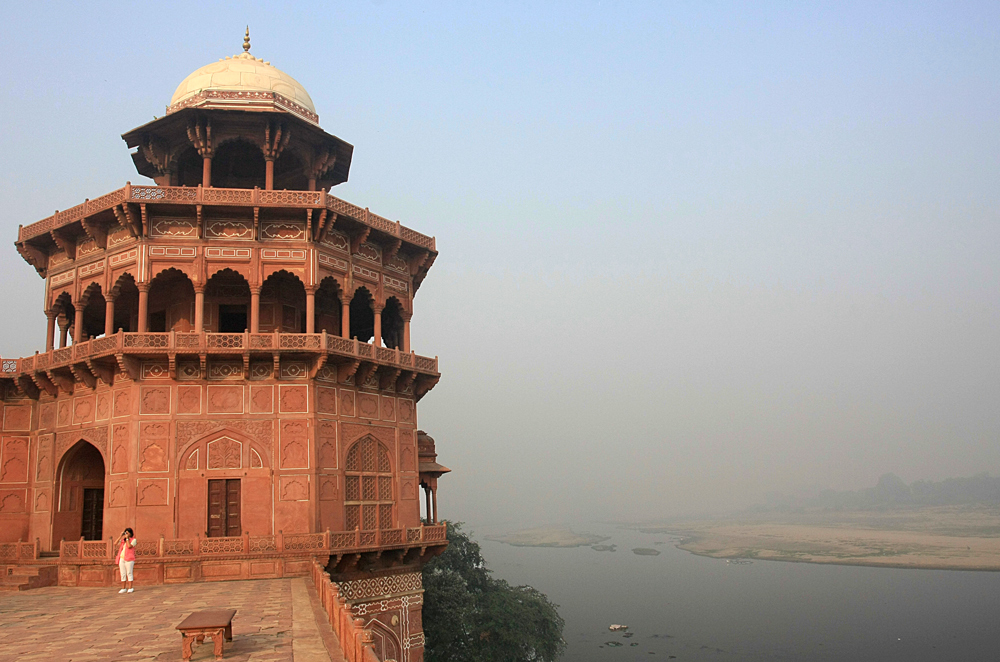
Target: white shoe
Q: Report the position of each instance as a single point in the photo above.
(130, 590)
(122, 591)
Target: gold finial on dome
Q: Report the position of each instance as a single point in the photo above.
(246, 41)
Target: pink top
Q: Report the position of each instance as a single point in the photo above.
(127, 551)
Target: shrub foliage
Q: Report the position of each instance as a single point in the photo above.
(469, 616)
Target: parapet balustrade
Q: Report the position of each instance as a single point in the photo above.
(328, 542)
(216, 344)
(224, 197)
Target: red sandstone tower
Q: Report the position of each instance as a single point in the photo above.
(228, 370)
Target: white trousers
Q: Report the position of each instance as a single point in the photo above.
(126, 569)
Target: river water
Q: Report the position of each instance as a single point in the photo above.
(698, 608)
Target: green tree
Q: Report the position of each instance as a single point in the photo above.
(471, 617)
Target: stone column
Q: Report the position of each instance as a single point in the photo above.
(50, 332)
(143, 307)
(63, 331)
(109, 315)
(268, 174)
(345, 319)
(311, 310)
(199, 309)
(254, 310)
(78, 322)
(206, 170)
(427, 498)
(434, 499)
(377, 340)
(406, 334)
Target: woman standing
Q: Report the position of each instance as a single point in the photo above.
(126, 558)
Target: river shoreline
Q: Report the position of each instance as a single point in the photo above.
(927, 539)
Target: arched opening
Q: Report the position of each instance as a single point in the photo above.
(362, 315)
(189, 167)
(65, 316)
(238, 164)
(368, 486)
(126, 296)
(94, 310)
(385, 642)
(227, 301)
(392, 324)
(171, 302)
(289, 172)
(79, 501)
(328, 307)
(283, 304)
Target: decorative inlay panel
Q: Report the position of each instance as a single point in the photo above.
(282, 230)
(173, 251)
(381, 587)
(225, 453)
(395, 283)
(260, 431)
(282, 254)
(294, 445)
(332, 262)
(370, 252)
(14, 460)
(17, 417)
(173, 227)
(366, 273)
(293, 399)
(225, 399)
(228, 229)
(293, 488)
(123, 258)
(92, 269)
(337, 240)
(152, 491)
(154, 400)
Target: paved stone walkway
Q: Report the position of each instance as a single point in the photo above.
(277, 620)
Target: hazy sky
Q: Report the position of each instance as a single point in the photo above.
(690, 252)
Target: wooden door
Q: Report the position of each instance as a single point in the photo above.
(233, 526)
(224, 508)
(92, 527)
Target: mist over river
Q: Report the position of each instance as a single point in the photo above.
(698, 608)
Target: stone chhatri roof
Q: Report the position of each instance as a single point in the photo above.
(242, 73)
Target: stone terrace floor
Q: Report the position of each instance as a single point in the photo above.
(277, 620)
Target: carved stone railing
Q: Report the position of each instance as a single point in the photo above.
(224, 197)
(215, 343)
(18, 552)
(328, 542)
(356, 641)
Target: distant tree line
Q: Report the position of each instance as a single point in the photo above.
(469, 616)
(892, 491)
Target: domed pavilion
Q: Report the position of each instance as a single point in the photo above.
(227, 369)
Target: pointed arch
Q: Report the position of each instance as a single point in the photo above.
(385, 640)
(171, 301)
(195, 454)
(94, 311)
(227, 302)
(283, 303)
(79, 501)
(329, 296)
(392, 323)
(362, 314)
(125, 292)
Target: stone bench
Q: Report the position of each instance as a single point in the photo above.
(214, 623)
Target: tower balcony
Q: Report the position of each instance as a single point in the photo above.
(261, 356)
